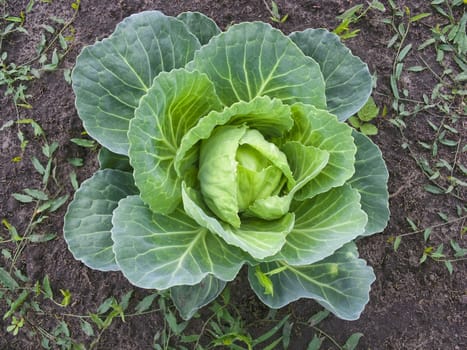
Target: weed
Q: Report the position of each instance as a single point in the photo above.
(24, 299)
(43, 201)
(361, 121)
(224, 327)
(352, 16)
(13, 75)
(274, 11)
(438, 253)
(320, 336)
(49, 51)
(439, 157)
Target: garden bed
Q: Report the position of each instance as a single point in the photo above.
(419, 297)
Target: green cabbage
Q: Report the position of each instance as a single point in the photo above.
(221, 149)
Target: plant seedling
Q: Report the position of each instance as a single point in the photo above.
(274, 11)
(361, 121)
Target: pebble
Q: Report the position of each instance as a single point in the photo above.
(12, 205)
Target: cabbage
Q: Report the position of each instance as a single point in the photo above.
(225, 149)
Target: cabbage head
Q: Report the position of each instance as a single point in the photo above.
(227, 149)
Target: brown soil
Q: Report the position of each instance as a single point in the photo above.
(411, 306)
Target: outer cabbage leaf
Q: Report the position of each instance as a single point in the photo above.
(189, 299)
(172, 106)
(88, 220)
(253, 59)
(318, 128)
(111, 76)
(203, 27)
(348, 81)
(162, 251)
(371, 181)
(323, 224)
(340, 283)
(110, 160)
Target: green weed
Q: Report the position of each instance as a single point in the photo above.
(361, 121)
(224, 327)
(352, 16)
(26, 300)
(55, 42)
(439, 156)
(274, 11)
(438, 253)
(23, 299)
(44, 202)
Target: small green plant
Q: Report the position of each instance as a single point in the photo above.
(361, 121)
(438, 253)
(274, 11)
(352, 16)
(226, 328)
(28, 302)
(320, 336)
(16, 325)
(105, 315)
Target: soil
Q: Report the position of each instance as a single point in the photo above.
(412, 305)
